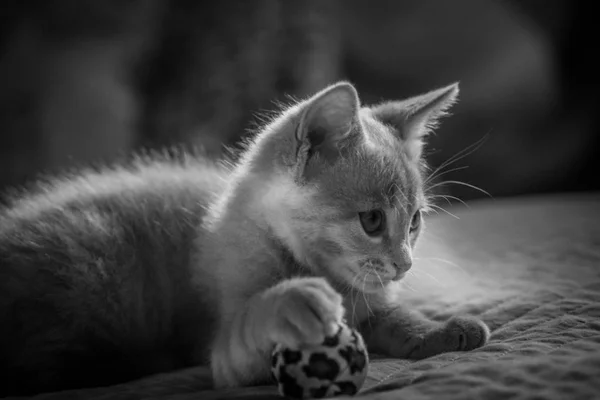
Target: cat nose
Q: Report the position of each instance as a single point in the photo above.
(401, 270)
(402, 257)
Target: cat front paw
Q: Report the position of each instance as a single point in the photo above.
(456, 334)
(305, 311)
(466, 333)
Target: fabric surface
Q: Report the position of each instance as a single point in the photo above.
(529, 267)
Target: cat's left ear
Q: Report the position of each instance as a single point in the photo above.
(414, 118)
(327, 123)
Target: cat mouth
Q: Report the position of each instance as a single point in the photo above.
(374, 277)
(387, 275)
(377, 280)
(399, 276)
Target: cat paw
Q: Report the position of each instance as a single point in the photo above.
(456, 334)
(466, 333)
(305, 311)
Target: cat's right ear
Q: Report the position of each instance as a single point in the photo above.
(327, 122)
(414, 118)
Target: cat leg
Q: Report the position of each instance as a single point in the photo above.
(400, 333)
(295, 311)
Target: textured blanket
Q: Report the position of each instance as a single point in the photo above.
(528, 267)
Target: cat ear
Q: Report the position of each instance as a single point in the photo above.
(414, 118)
(326, 123)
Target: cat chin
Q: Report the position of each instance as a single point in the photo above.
(375, 290)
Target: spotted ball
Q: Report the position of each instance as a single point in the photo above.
(338, 366)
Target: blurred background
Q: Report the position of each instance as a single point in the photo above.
(87, 81)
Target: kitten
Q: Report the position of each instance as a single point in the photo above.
(113, 275)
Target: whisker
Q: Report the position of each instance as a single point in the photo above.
(442, 173)
(380, 281)
(429, 209)
(460, 155)
(463, 184)
(353, 300)
(447, 196)
(413, 272)
(467, 150)
(433, 278)
(437, 196)
(444, 210)
(408, 286)
(448, 262)
(346, 288)
(369, 310)
(365, 299)
(415, 276)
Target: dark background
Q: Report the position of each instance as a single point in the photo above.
(84, 81)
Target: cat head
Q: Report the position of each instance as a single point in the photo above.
(343, 185)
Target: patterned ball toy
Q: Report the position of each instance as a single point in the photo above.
(338, 366)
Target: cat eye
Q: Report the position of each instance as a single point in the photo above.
(415, 222)
(373, 222)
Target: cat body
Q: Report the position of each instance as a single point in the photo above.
(95, 273)
(113, 275)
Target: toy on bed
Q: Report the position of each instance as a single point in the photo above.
(338, 366)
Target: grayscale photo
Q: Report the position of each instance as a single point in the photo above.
(299, 199)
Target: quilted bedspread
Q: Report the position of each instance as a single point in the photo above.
(529, 267)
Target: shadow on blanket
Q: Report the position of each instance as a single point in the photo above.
(529, 267)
